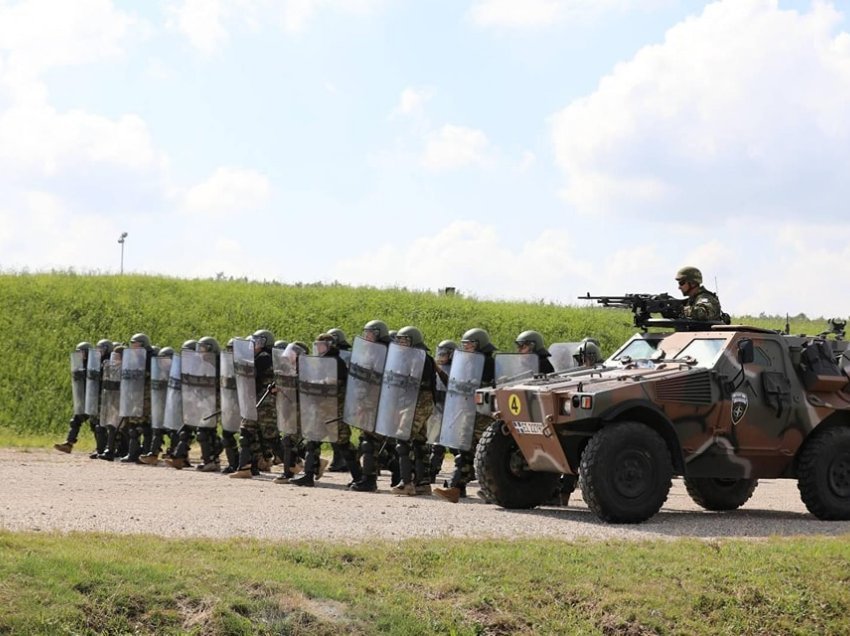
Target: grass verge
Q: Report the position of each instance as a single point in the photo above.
(106, 584)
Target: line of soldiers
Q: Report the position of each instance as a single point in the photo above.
(284, 401)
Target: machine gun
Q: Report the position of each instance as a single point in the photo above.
(670, 309)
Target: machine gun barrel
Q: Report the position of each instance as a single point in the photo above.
(642, 305)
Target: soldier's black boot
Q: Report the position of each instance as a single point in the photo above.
(338, 463)
(405, 466)
(135, 449)
(147, 438)
(350, 459)
(368, 483)
(109, 452)
(232, 454)
(421, 476)
(438, 454)
(307, 478)
(100, 439)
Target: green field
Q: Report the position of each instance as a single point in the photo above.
(59, 584)
(46, 315)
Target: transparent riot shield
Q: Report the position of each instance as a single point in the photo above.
(199, 388)
(562, 355)
(459, 412)
(399, 391)
(345, 355)
(318, 397)
(173, 418)
(363, 388)
(286, 398)
(246, 373)
(160, 368)
(78, 382)
(110, 395)
(436, 419)
(133, 382)
(515, 366)
(93, 382)
(230, 418)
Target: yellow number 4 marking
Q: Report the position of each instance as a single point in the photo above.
(514, 405)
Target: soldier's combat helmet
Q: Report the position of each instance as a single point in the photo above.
(379, 330)
(142, 339)
(105, 347)
(409, 336)
(480, 337)
(264, 338)
(189, 344)
(532, 338)
(166, 352)
(689, 274)
(84, 346)
(339, 338)
(588, 354)
(229, 345)
(392, 333)
(280, 344)
(208, 344)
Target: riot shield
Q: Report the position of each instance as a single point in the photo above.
(160, 368)
(286, 399)
(515, 366)
(173, 418)
(246, 373)
(364, 384)
(436, 419)
(198, 375)
(93, 382)
(133, 382)
(399, 391)
(345, 355)
(78, 382)
(459, 411)
(561, 355)
(110, 396)
(317, 397)
(230, 418)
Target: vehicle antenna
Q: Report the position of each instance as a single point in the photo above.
(787, 325)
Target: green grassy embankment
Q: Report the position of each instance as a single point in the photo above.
(45, 315)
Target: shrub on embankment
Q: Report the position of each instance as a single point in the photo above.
(45, 315)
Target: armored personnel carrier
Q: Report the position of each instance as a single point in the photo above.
(721, 406)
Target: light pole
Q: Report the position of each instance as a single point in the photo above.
(121, 241)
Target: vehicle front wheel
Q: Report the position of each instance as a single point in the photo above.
(823, 474)
(503, 473)
(720, 494)
(626, 473)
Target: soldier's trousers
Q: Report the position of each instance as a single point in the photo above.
(465, 460)
(346, 449)
(184, 442)
(368, 449)
(210, 444)
(291, 444)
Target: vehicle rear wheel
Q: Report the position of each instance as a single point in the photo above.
(626, 473)
(503, 473)
(720, 494)
(823, 474)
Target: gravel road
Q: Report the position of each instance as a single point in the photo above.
(49, 491)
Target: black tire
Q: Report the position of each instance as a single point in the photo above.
(720, 494)
(626, 473)
(823, 474)
(504, 476)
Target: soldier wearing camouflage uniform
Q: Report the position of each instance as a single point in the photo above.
(151, 458)
(251, 432)
(77, 420)
(701, 304)
(414, 477)
(293, 443)
(370, 443)
(337, 461)
(473, 340)
(443, 363)
(138, 429)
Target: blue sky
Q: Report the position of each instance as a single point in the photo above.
(536, 149)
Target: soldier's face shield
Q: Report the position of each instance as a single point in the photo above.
(135, 344)
(322, 347)
(443, 355)
(403, 341)
(469, 345)
(524, 346)
(371, 335)
(115, 357)
(259, 342)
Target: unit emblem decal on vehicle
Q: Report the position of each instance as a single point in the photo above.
(740, 402)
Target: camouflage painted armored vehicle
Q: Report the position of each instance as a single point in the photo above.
(721, 406)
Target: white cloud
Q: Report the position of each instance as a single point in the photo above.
(205, 22)
(228, 191)
(41, 34)
(297, 14)
(740, 110)
(529, 14)
(455, 147)
(412, 100)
